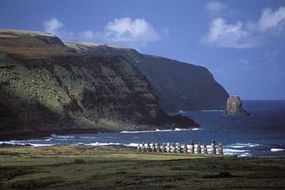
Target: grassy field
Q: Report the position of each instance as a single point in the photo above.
(86, 167)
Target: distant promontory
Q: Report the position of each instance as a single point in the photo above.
(48, 85)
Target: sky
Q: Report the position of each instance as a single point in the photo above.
(241, 42)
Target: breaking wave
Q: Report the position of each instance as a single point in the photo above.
(276, 149)
(162, 130)
(62, 137)
(243, 145)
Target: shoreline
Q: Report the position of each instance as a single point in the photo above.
(28, 134)
(229, 150)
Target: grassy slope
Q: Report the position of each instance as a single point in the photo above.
(67, 167)
(53, 89)
(58, 89)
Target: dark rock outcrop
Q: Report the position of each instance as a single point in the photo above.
(179, 85)
(234, 107)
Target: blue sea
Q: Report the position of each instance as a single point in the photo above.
(260, 134)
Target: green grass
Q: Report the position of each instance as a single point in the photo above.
(85, 167)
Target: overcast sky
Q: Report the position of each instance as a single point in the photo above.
(241, 42)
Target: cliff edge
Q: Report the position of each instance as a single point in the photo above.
(178, 85)
(47, 86)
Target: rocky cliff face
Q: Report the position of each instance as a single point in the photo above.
(179, 85)
(46, 86)
(234, 107)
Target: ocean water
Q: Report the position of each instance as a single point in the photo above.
(261, 134)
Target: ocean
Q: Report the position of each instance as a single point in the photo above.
(260, 134)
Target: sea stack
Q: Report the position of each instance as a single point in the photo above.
(234, 107)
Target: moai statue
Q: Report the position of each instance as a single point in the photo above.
(205, 149)
(188, 148)
(177, 148)
(220, 149)
(172, 148)
(213, 148)
(191, 148)
(198, 149)
(139, 148)
(181, 148)
(185, 149)
(162, 148)
(148, 147)
(167, 148)
(175, 145)
(143, 147)
(151, 146)
(157, 147)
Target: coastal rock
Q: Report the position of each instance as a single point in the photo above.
(234, 107)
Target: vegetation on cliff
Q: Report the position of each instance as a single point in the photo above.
(52, 87)
(179, 85)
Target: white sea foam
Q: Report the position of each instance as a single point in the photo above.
(79, 144)
(182, 111)
(76, 144)
(230, 150)
(276, 149)
(103, 144)
(196, 129)
(212, 110)
(132, 144)
(62, 137)
(237, 146)
(21, 143)
(13, 143)
(87, 137)
(244, 155)
(243, 145)
(112, 137)
(163, 130)
(238, 152)
(41, 145)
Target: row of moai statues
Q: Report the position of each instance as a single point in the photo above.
(181, 148)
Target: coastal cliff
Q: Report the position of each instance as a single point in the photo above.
(178, 85)
(46, 86)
